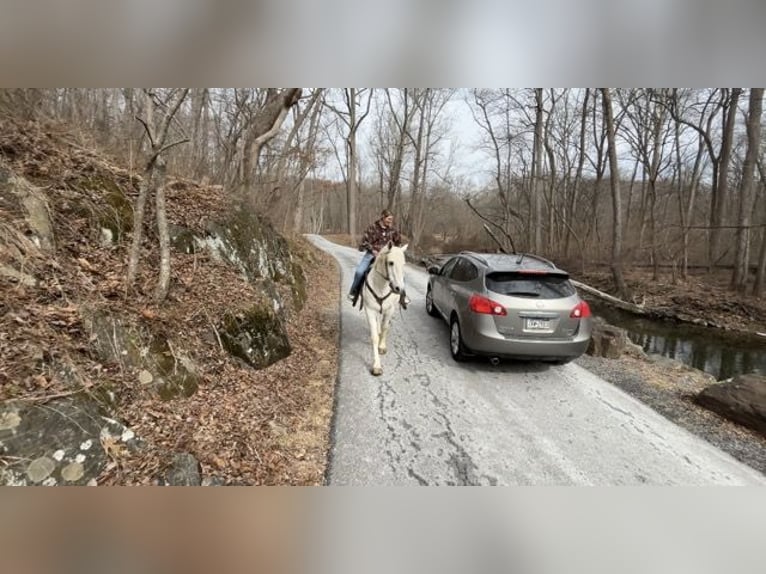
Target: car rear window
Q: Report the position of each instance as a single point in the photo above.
(532, 285)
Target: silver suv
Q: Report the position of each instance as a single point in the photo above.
(517, 306)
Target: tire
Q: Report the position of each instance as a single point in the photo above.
(430, 307)
(456, 345)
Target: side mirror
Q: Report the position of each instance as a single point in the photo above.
(434, 270)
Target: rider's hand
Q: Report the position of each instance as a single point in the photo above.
(374, 252)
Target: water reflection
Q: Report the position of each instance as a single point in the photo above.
(723, 355)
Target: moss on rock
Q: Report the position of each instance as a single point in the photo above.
(174, 374)
(183, 239)
(256, 335)
(250, 243)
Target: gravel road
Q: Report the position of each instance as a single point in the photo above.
(430, 421)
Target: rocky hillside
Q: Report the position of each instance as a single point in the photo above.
(229, 381)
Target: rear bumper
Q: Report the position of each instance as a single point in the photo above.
(482, 338)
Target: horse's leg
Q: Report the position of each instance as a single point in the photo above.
(372, 322)
(385, 323)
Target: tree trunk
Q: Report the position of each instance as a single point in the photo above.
(394, 180)
(264, 126)
(353, 121)
(155, 167)
(578, 174)
(614, 177)
(759, 288)
(537, 163)
(654, 171)
(198, 135)
(417, 164)
(298, 217)
(163, 284)
(746, 195)
(144, 190)
(351, 190)
(552, 239)
(720, 198)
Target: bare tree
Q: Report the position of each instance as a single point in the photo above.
(402, 125)
(648, 137)
(537, 169)
(493, 114)
(746, 195)
(307, 159)
(725, 101)
(157, 126)
(262, 127)
(353, 99)
(759, 289)
(430, 103)
(200, 98)
(614, 177)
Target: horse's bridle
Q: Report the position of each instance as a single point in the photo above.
(386, 276)
(391, 286)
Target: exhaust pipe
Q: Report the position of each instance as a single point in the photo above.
(495, 361)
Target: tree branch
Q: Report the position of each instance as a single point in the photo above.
(148, 131)
(169, 115)
(496, 240)
(167, 147)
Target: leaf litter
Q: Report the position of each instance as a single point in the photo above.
(246, 427)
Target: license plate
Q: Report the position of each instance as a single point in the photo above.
(537, 324)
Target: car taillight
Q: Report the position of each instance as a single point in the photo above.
(581, 311)
(484, 306)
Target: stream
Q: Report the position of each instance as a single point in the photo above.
(718, 353)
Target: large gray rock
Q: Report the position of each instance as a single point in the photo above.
(61, 442)
(256, 335)
(186, 471)
(611, 342)
(157, 362)
(24, 244)
(37, 212)
(742, 400)
(253, 246)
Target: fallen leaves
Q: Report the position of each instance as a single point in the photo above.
(229, 424)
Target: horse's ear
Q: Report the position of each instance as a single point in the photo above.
(390, 244)
(406, 245)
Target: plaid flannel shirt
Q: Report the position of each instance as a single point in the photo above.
(377, 236)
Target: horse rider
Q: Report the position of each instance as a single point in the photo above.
(375, 238)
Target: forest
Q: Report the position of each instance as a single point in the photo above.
(666, 179)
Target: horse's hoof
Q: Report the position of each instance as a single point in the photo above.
(377, 372)
(382, 351)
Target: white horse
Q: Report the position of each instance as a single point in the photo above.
(381, 291)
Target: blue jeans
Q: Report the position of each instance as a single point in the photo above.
(360, 271)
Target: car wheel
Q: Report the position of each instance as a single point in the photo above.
(430, 307)
(456, 346)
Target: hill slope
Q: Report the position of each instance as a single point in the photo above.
(62, 278)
